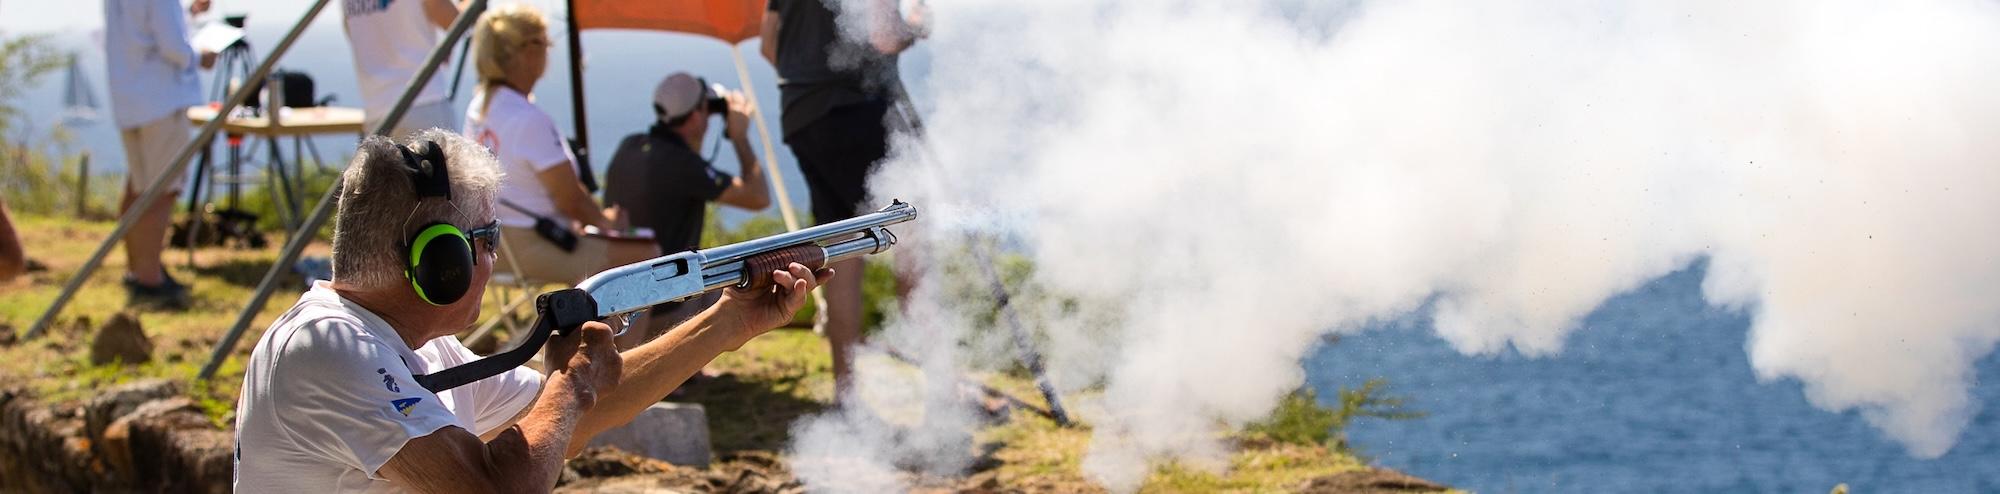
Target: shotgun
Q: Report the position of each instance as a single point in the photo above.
(637, 286)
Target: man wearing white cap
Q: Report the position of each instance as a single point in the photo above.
(659, 179)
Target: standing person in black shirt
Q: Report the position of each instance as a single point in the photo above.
(660, 181)
(837, 92)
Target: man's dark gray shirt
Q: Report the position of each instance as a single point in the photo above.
(818, 70)
(663, 185)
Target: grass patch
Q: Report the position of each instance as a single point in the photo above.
(56, 365)
(766, 386)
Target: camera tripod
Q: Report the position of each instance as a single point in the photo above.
(234, 225)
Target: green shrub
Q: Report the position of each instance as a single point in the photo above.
(29, 179)
(35, 183)
(262, 201)
(24, 60)
(1301, 419)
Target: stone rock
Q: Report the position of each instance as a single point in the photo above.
(676, 433)
(749, 472)
(614, 462)
(42, 448)
(185, 453)
(80, 325)
(120, 400)
(121, 340)
(115, 446)
(7, 336)
(1371, 481)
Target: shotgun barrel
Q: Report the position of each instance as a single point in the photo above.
(681, 276)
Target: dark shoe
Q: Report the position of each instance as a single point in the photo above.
(169, 295)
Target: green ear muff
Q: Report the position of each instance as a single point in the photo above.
(440, 267)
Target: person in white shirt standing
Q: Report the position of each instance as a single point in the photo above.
(151, 69)
(510, 48)
(330, 401)
(390, 39)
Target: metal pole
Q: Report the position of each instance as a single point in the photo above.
(194, 213)
(179, 163)
(582, 125)
(770, 155)
(304, 235)
(288, 210)
(82, 183)
(1023, 342)
(458, 74)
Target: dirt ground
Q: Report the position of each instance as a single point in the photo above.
(753, 395)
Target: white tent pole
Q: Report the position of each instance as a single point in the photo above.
(771, 162)
(770, 158)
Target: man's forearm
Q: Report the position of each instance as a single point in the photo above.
(750, 177)
(652, 370)
(746, 165)
(546, 434)
(892, 33)
(584, 209)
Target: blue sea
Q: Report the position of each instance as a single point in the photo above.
(1654, 394)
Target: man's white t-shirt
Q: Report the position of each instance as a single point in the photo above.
(328, 398)
(526, 142)
(390, 40)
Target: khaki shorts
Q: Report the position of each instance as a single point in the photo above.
(540, 260)
(151, 147)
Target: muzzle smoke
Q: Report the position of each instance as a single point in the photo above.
(1206, 188)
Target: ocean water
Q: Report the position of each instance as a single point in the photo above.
(1654, 393)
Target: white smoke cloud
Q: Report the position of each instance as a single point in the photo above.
(1218, 184)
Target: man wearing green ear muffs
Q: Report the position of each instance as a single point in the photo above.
(329, 401)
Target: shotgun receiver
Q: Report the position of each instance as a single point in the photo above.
(681, 276)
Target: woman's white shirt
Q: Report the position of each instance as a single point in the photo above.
(527, 143)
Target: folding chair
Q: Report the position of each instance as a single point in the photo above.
(526, 289)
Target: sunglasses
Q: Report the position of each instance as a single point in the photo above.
(490, 233)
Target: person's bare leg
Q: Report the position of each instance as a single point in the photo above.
(145, 242)
(842, 320)
(908, 263)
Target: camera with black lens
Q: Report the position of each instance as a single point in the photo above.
(714, 100)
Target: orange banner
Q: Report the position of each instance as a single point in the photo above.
(729, 20)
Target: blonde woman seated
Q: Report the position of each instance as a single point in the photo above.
(510, 48)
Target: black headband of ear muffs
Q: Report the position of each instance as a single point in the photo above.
(428, 172)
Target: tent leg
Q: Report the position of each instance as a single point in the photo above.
(770, 159)
(764, 133)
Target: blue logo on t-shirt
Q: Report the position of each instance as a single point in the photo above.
(389, 381)
(361, 7)
(404, 405)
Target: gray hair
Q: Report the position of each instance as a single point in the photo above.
(379, 208)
